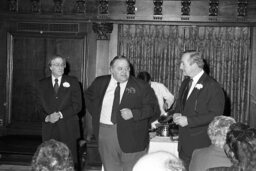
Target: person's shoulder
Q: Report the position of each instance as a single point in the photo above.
(137, 81)
(102, 78)
(200, 152)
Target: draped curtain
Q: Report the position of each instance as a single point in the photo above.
(226, 50)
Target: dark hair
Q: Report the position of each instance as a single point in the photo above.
(57, 56)
(117, 58)
(195, 57)
(144, 75)
(241, 146)
(52, 155)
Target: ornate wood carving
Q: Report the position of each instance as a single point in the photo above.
(158, 7)
(13, 5)
(80, 6)
(58, 6)
(35, 6)
(185, 9)
(130, 7)
(213, 7)
(103, 30)
(103, 7)
(242, 8)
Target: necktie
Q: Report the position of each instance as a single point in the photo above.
(56, 86)
(185, 94)
(116, 102)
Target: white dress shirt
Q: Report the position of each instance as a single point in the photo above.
(195, 80)
(162, 93)
(106, 110)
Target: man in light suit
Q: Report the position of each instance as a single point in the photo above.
(59, 102)
(200, 99)
(124, 140)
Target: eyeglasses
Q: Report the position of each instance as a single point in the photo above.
(58, 65)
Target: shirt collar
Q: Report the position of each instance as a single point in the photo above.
(59, 79)
(198, 76)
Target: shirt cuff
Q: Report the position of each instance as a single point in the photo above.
(46, 118)
(61, 116)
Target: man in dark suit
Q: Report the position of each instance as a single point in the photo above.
(200, 99)
(59, 102)
(122, 133)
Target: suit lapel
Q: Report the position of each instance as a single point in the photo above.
(124, 97)
(195, 92)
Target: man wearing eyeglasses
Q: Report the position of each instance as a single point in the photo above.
(59, 102)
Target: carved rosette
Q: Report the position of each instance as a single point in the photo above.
(103, 30)
(80, 6)
(158, 7)
(185, 9)
(35, 6)
(213, 7)
(130, 7)
(103, 7)
(13, 5)
(242, 8)
(58, 6)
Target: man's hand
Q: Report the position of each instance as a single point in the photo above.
(54, 117)
(180, 120)
(126, 113)
(154, 124)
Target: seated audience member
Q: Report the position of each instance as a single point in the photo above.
(214, 155)
(52, 155)
(164, 97)
(241, 146)
(158, 161)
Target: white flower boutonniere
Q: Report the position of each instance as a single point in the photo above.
(66, 84)
(199, 86)
(130, 90)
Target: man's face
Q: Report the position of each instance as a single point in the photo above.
(120, 70)
(57, 67)
(186, 66)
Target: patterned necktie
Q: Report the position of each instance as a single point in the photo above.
(115, 103)
(56, 86)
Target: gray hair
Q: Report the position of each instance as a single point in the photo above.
(55, 57)
(195, 57)
(218, 129)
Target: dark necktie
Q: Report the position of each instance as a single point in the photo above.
(185, 94)
(116, 102)
(56, 86)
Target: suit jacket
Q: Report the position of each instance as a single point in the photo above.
(209, 157)
(68, 101)
(200, 108)
(139, 97)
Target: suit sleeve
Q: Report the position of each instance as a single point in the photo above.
(150, 108)
(76, 101)
(215, 102)
(89, 95)
(39, 107)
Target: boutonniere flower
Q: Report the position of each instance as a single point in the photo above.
(130, 90)
(66, 84)
(199, 86)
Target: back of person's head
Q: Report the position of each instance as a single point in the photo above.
(52, 155)
(145, 76)
(218, 128)
(241, 146)
(158, 161)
